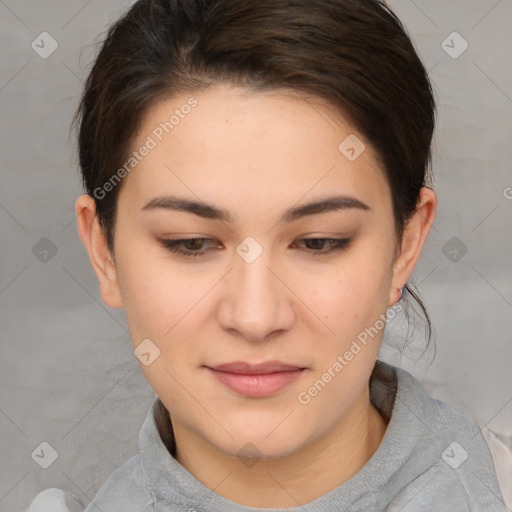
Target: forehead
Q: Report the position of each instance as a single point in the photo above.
(247, 147)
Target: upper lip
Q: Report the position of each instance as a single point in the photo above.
(266, 367)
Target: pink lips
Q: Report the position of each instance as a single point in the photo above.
(256, 380)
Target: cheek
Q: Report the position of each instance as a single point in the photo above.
(350, 292)
(164, 306)
(351, 301)
(156, 298)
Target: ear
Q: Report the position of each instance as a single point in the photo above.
(414, 236)
(95, 242)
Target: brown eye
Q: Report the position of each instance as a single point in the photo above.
(187, 246)
(318, 245)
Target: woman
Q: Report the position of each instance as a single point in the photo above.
(257, 199)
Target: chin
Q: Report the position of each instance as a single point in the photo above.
(254, 449)
(257, 443)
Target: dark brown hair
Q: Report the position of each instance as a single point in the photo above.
(355, 54)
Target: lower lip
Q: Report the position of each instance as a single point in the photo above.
(256, 385)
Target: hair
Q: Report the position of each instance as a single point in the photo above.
(355, 54)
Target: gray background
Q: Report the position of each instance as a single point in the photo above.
(68, 375)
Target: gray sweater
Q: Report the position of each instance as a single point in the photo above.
(431, 459)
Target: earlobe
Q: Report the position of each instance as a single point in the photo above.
(413, 240)
(95, 242)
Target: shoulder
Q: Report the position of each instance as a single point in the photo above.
(461, 474)
(123, 490)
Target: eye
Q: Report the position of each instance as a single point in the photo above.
(193, 247)
(317, 245)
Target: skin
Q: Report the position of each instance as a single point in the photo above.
(236, 150)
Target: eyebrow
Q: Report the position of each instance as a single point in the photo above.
(208, 211)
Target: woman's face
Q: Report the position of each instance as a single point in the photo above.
(256, 290)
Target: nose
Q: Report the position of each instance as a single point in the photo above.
(255, 303)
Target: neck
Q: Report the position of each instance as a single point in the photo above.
(287, 481)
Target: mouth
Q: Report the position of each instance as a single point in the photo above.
(256, 380)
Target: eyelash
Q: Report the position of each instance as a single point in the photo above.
(339, 244)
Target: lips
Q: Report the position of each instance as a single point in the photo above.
(256, 380)
(241, 367)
